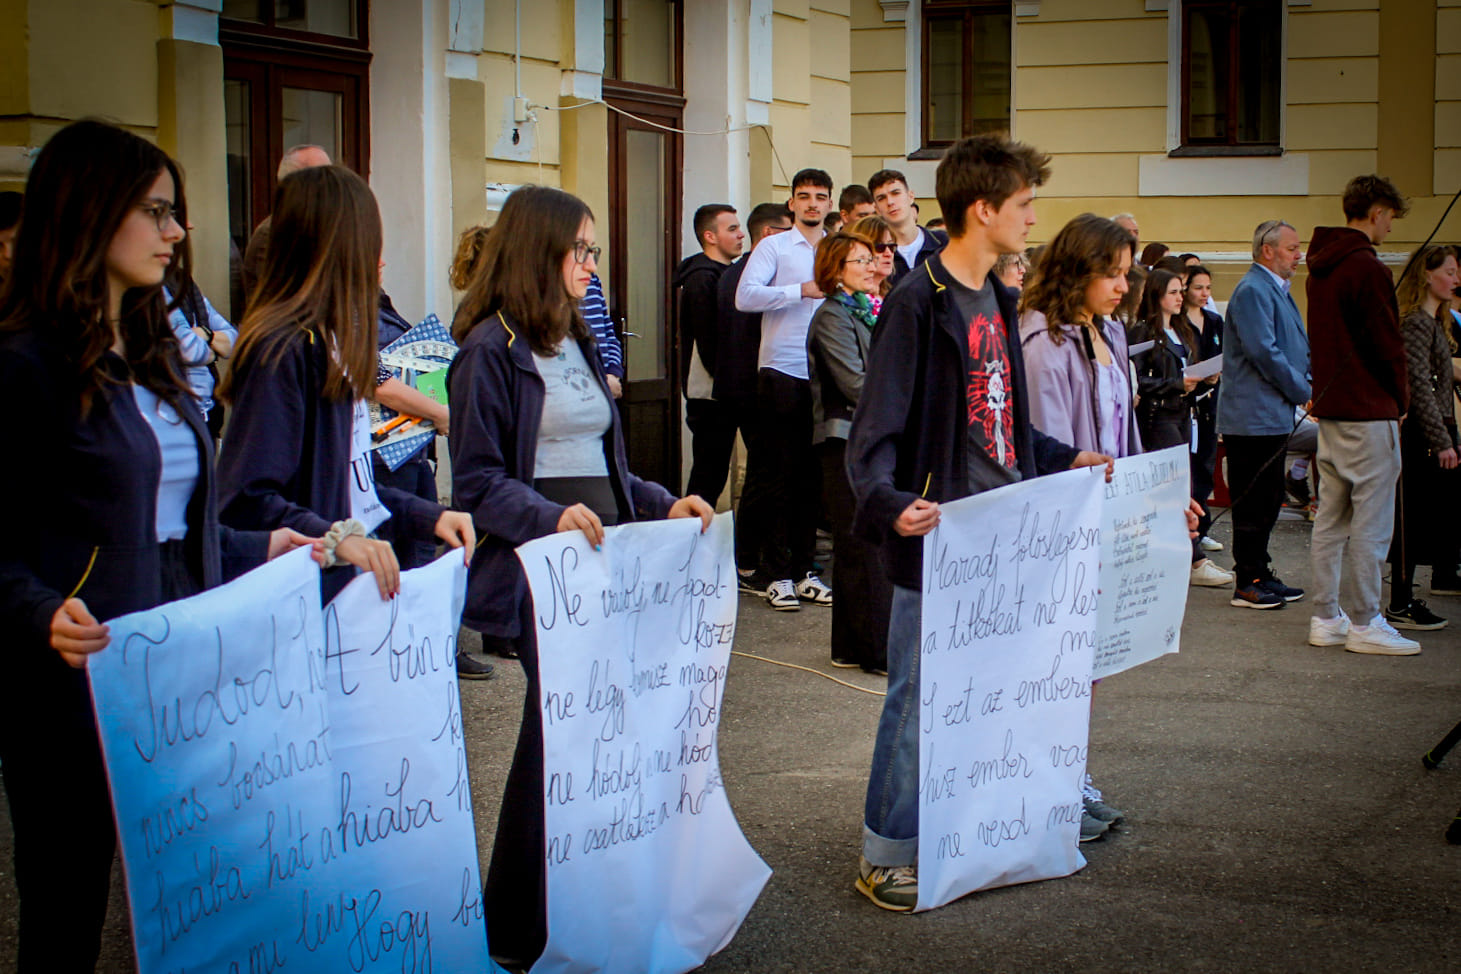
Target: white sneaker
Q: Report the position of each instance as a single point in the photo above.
(813, 589)
(1209, 574)
(1209, 544)
(1328, 632)
(1379, 638)
(781, 595)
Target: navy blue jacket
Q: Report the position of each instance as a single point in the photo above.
(910, 432)
(933, 242)
(496, 401)
(286, 461)
(83, 505)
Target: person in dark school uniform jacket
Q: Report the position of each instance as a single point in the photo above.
(295, 451)
(536, 447)
(115, 502)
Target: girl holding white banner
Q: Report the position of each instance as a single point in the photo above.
(112, 502)
(536, 447)
(297, 453)
(1075, 357)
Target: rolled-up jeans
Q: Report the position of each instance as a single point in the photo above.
(890, 823)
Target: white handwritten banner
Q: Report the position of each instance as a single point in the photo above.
(647, 869)
(289, 782)
(1009, 627)
(1145, 560)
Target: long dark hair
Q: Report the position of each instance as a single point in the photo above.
(1151, 311)
(520, 269)
(1084, 249)
(85, 182)
(321, 275)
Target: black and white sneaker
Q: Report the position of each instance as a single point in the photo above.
(781, 595)
(813, 589)
(751, 583)
(1417, 616)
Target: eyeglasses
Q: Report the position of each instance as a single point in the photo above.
(162, 211)
(860, 261)
(884, 248)
(582, 252)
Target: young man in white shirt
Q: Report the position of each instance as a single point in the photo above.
(895, 204)
(778, 284)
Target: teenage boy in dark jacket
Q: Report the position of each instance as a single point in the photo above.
(913, 444)
(712, 423)
(894, 203)
(1360, 393)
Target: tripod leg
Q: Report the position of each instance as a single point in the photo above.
(1432, 758)
(1453, 833)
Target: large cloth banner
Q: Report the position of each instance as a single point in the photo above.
(647, 868)
(1009, 627)
(290, 782)
(1146, 558)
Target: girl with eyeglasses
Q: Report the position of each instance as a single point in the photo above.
(297, 450)
(536, 447)
(117, 495)
(837, 346)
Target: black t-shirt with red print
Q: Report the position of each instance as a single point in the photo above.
(992, 461)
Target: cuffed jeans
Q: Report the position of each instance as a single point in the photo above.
(890, 824)
(1359, 463)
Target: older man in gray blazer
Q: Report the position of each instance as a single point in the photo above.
(1265, 375)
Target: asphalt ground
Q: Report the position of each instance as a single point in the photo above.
(1278, 817)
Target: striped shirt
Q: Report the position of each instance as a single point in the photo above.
(595, 311)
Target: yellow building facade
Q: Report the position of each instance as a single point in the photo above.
(649, 108)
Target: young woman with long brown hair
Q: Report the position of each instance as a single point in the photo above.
(296, 450)
(536, 447)
(115, 503)
(1425, 517)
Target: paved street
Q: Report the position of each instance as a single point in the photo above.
(1279, 818)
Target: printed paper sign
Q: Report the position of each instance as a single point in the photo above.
(290, 783)
(1009, 625)
(647, 868)
(1146, 558)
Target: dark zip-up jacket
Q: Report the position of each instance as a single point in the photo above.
(83, 505)
(740, 340)
(910, 433)
(496, 398)
(287, 458)
(933, 242)
(1356, 352)
(699, 333)
(1160, 371)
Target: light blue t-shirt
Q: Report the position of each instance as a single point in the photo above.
(179, 449)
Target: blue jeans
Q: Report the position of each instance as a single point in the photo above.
(890, 823)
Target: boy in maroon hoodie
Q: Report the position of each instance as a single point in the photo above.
(1360, 394)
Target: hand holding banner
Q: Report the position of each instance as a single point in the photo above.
(647, 869)
(289, 782)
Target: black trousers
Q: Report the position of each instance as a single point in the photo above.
(60, 808)
(789, 475)
(713, 425)
(864, 595)
(415, 476)
(1425, 526)
(516, 890)
(1255, 482)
